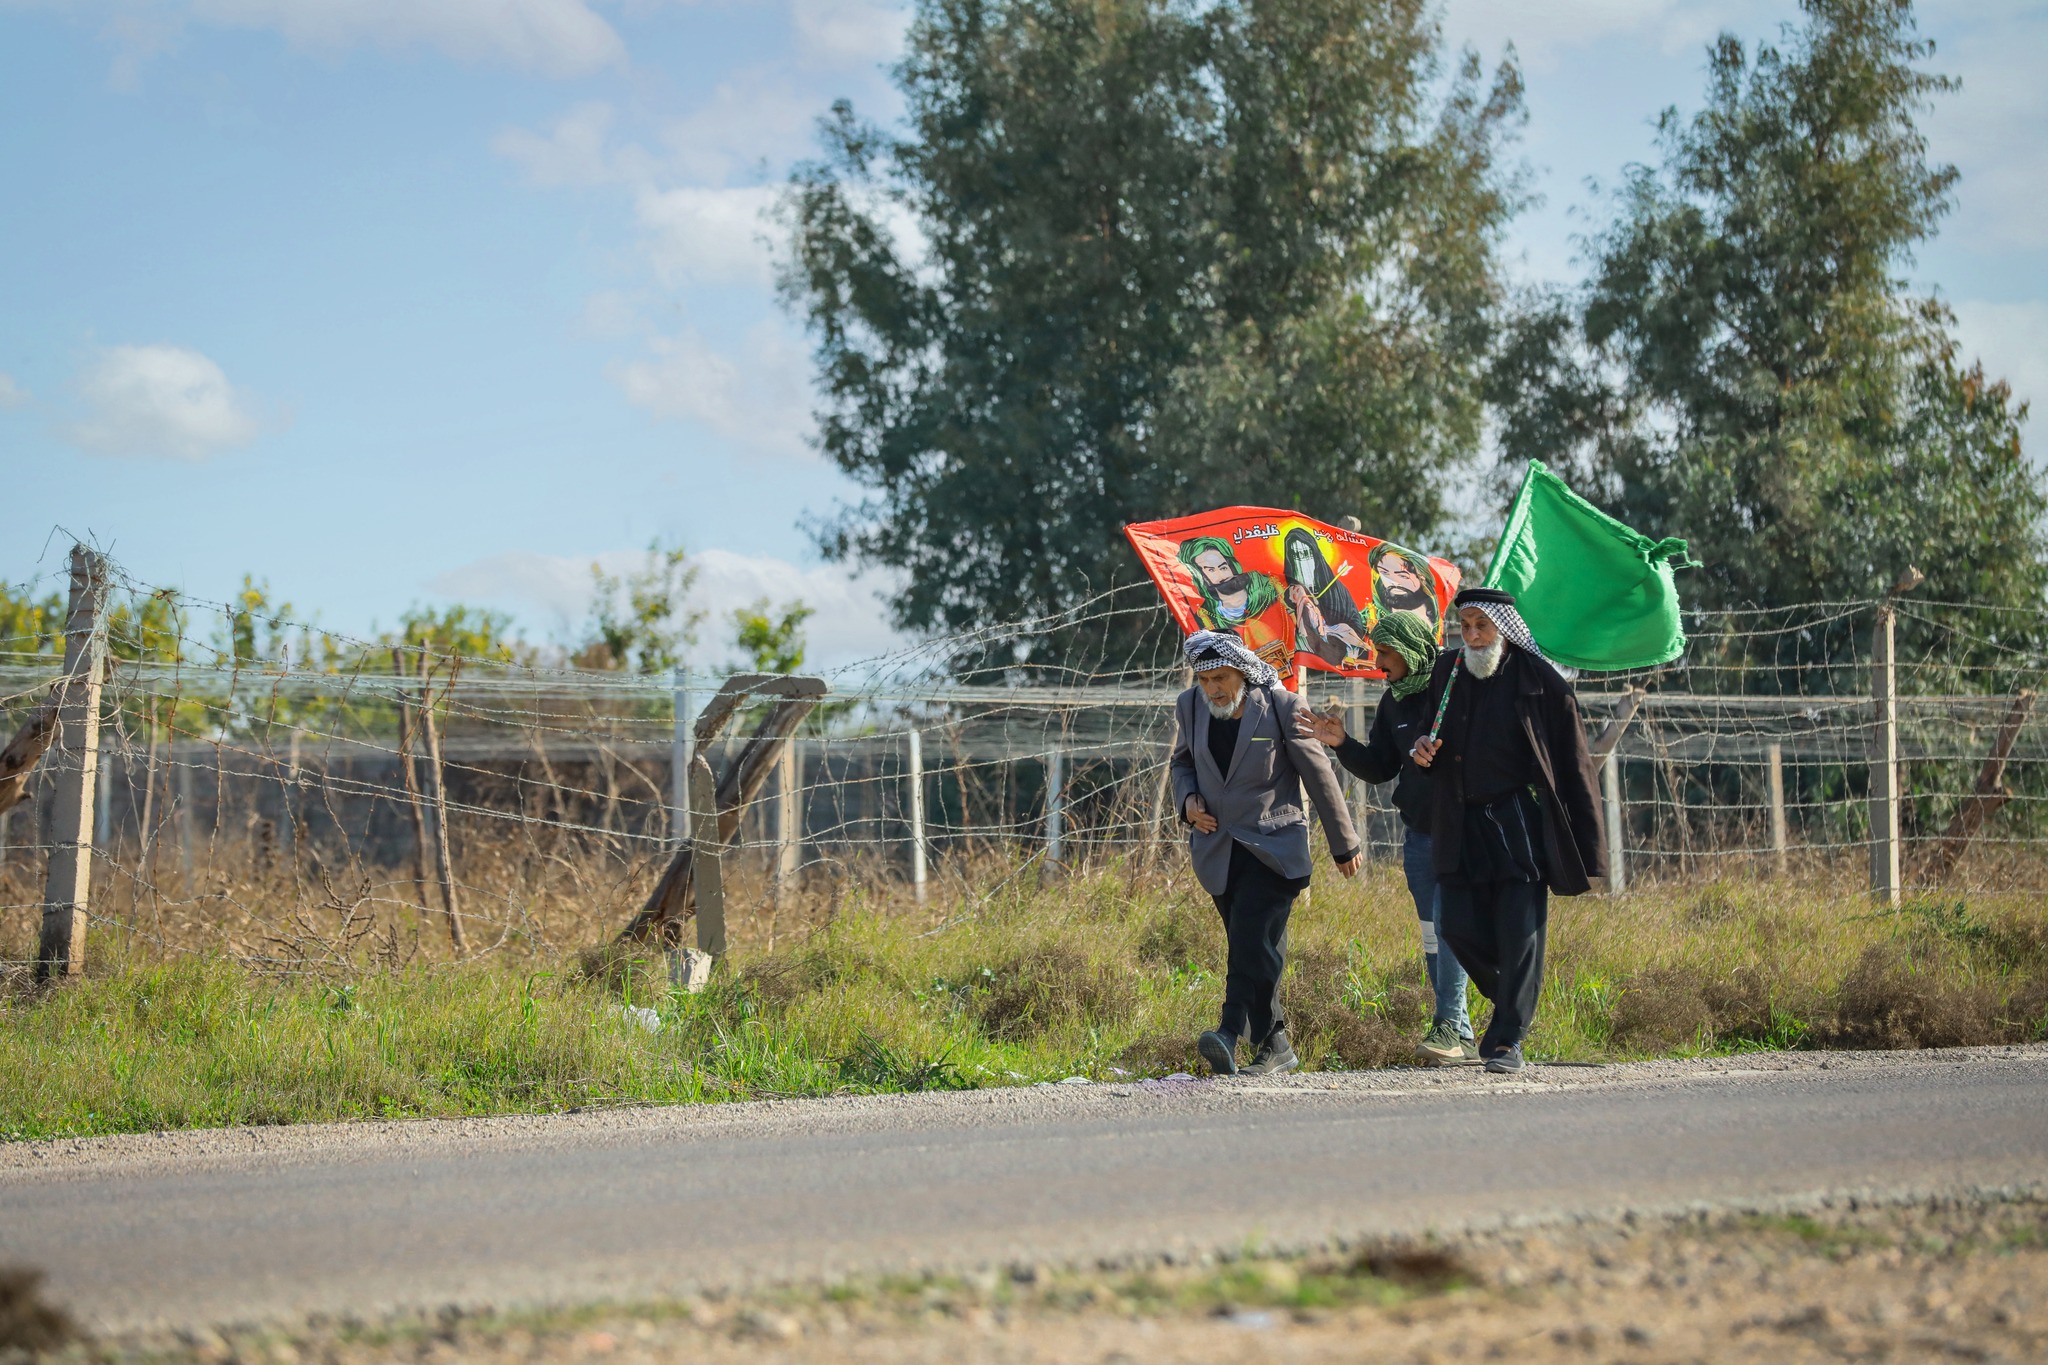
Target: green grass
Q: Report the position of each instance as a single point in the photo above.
(1105, 975)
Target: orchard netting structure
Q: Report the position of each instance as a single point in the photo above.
(298, 799)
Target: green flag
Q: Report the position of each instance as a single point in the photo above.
(1596, 594)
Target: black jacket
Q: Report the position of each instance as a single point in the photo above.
(1574, 838)
(1396, 725)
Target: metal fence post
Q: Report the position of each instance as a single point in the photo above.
(1776, 754)
(679, 746)
(67, 893)
(1055, 804)
(917, 866)
(1884, 762)
(1610, 788)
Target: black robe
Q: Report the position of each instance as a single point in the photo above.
(1574, 833)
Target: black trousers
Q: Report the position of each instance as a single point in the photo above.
(1255, 904)
(1497, 929)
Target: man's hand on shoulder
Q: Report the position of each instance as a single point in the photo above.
(1197, 814)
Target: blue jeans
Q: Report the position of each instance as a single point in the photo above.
(1446, 977)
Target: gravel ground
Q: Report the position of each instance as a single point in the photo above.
(1961, 1277)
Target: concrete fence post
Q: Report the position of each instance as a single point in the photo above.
(1775, 753)
(1610, 788)
(789, 819)
(916, 779)
(679, 749)
(67, 892)
(1055, 804)
(1884, 762)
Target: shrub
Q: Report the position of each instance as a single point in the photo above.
(1664, 1008)
(1897, 998)
(1053, 984)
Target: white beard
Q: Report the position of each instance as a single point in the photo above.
(1484, 663)
(1224, 710)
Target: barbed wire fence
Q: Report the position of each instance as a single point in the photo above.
(361, 805)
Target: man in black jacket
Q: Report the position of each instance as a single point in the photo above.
(1512, 809)
(1404, 646)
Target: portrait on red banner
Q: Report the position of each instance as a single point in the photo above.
(1297, 591)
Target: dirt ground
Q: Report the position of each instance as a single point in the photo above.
(1962, 1278)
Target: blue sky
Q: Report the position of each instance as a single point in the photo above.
(393, 301)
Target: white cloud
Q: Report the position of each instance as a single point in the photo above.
(554, 37)
(2011, 338)
(698, 235)
(758, 401)
(1546, 34)
(848, 32)
(162, 401)
(12, 395)
(756, 116)
(1990, 130)
(610, 315)
(573, 152)
(851, 623)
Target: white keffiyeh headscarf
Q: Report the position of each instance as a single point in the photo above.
(1499, 607)
(1211, 649)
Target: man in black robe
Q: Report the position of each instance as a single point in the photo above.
(1513, 810)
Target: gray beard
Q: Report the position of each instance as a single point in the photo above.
(1227, 709)
(1484, 663)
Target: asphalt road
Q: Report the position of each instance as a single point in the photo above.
(241, 1225)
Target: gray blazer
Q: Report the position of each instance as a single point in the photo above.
(1260, 804)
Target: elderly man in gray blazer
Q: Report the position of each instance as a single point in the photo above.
(1239, 767)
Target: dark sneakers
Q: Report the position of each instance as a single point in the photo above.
(1219, 1050)
(1275, 1056)
(1507, 1061)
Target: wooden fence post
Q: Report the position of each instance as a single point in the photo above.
(917, 864)
(409, 777)
(444, 854)
(67, 893)
(707, 868)
(1986, 797)
(1776, 754)
(1884, 761)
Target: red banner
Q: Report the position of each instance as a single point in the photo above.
(1299, 592)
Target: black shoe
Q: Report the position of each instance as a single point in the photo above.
(1275, 1056)
(1507, 1061)
(1219, 1050)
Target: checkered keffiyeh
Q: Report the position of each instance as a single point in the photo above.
(1210, 649)
(1499, 607)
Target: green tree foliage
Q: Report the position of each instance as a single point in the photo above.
(771, 643)
(1748, 369)
(641, 620)
(1167, 255)
(29, 624)
(473, 633)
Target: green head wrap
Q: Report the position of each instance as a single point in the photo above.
(1408, 635)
